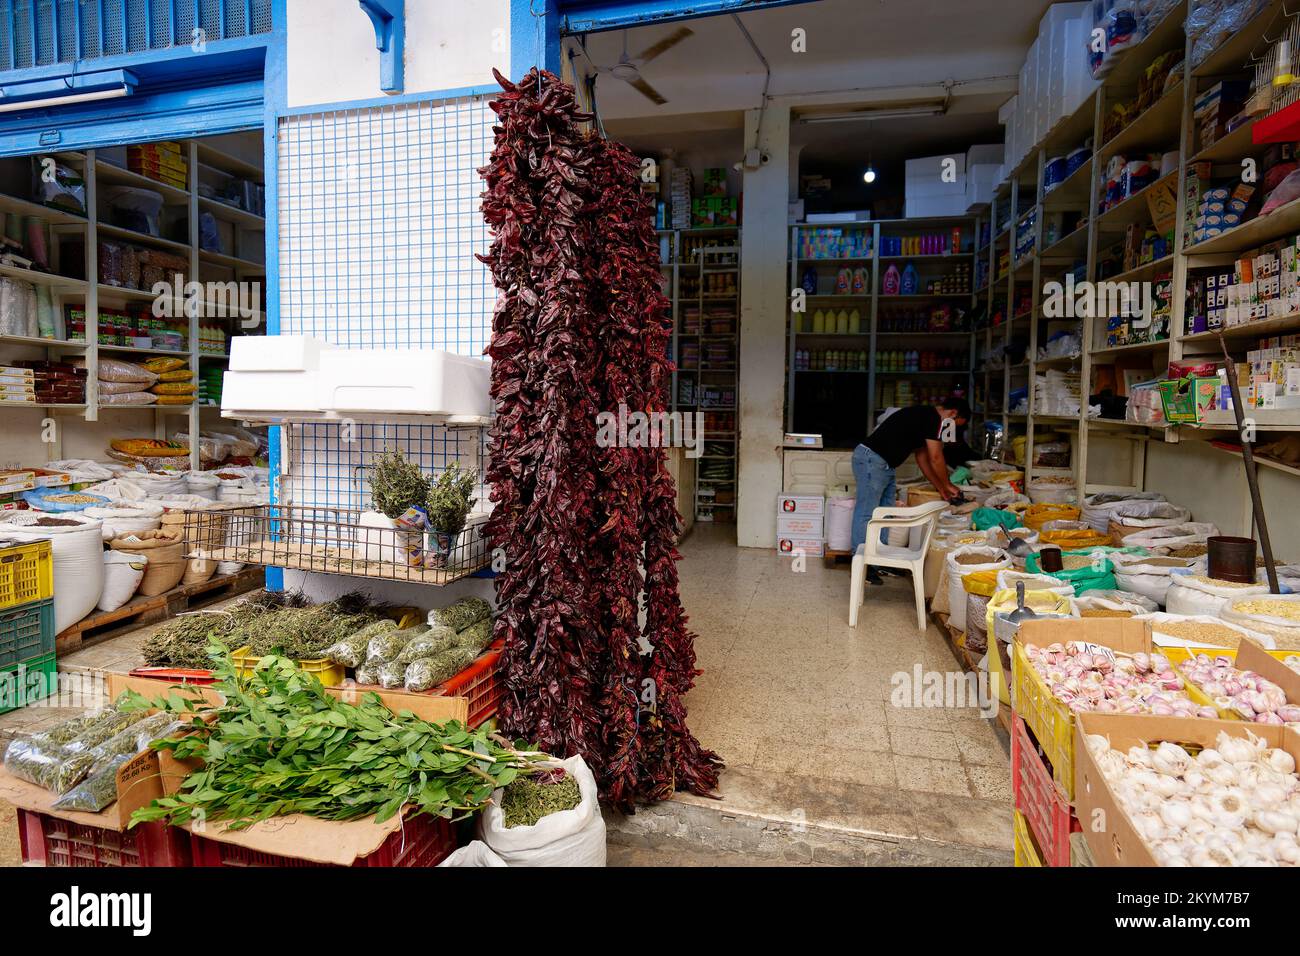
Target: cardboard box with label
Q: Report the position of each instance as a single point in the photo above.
(803, 505)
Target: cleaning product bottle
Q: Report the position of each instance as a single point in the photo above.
(892, 281)
(843, 282)
(861, 280)
(842, 322)
(855, 322)
(809, 282)
(911, 281)
(819, 322)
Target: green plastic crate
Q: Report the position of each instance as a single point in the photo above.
(28, 682)
(26, 632)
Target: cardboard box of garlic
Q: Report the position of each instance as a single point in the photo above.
(1162, 791)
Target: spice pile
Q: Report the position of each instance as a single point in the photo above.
(581, 327)
(528, 799)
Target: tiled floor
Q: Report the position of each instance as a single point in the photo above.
(795, 701)
(790, 689)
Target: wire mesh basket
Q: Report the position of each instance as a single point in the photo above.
(332, 540)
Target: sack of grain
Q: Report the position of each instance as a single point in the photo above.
(1008, 578)
(1150, 575)
(1075, 540)
(1037, 515)
(1098, 508)
(165, 550)
(1113, 604)
(1191, 593)
(1134, 517)
(1277, 615)
(979, 587)
(1199, 630)
(967, 560)
(1177, 540)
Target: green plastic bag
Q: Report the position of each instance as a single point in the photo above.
(985, 518)
(960, 475)
(1098, 575)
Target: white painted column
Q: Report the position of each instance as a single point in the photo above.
(764, 278)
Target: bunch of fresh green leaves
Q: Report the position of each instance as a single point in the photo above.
(280, 744)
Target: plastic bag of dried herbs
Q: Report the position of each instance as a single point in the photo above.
(477, 636)
(431, 671)
(392, 675)
(389, 644)
(352, 650)
(60, 735)
(97, 791)
(107, 727)
(128, 742)
(461, 614)
(368, 673)
(47, 766)
(434, 641)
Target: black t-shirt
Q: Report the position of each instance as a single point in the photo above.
(904, 432)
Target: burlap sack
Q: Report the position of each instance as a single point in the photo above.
(166, 553)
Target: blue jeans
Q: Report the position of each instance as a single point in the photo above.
(876, 489)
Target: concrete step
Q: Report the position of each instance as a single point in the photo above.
(784, 819)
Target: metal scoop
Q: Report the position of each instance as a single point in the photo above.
(1018, 547)
(1021, 613)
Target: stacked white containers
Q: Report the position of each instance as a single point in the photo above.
(935, 186)
(983, 173)
(1054, 79)
(800, 525)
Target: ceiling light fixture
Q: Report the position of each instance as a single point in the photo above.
(893, 112)
(870, 175)
(83, 88)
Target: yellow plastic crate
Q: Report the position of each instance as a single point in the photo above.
(1022, 842)
(329, 673)
(26, 573)
(1051, 721)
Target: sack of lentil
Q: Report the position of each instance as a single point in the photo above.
(1074, 539)
(1098, 508)
(1008, 578)
(968, 560)
(1173, 539)
(1090, 570)
(1277, 615)
(1150, 575)
(1191, 593)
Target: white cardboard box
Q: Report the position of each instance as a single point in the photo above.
(984, 155)
(800, 526)
(919, 207)
(808, 547)
(803, 505)
(1078, 77)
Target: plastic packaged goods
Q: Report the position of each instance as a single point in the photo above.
(426, 672)
(386, 645)
(429, 644)
(116, 370)
(461, 614)
(1133, 517)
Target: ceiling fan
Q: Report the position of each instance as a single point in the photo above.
(628, 69)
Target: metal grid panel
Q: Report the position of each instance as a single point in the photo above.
(261, 16)
(379, 224)
(6, 44)
(210, 17)
(44, 31)
(91, 44)
(236, 14)
(67, 30)
(160, 21)
(137, 17)
(328, 465)
(184, 21)
(114, 34)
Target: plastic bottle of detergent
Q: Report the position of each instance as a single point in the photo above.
(809, 282)
(842, 322)
(819, 322)
(843, 282)
(855, 322)
(911, 283)
(892, 281)
(860, 281)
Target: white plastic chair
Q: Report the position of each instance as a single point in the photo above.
(919, 523)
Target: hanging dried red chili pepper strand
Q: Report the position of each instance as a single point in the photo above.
(541, 447)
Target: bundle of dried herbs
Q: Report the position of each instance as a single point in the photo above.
(352, 650)
(581, 327)
(302, 633)
(426, 672)
(183, 641)
(528, 799)
(280, 745)
(461, 614)
(397, 484)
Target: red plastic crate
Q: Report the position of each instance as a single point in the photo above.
(422, 841)
(480, 682)
(1039, 798)
(55, 842)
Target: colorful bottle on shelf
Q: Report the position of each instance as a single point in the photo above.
(892, 281)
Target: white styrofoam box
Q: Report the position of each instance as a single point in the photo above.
(276, 353)
(984, 155)
(984, 173)
(804, 505)
(929, 169)
(272, 373)
(404, 381)
(1006, 111)
(799, 526)
(1027, 100)
(813, 472)
(1059, 24)
(979, 193)
(808, 547)
(920, 207)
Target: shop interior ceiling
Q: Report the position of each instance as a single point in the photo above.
(858, 52)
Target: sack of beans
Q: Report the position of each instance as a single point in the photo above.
(1198, 594)
(1277, 615)
(968, 560)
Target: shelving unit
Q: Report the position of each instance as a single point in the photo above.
(208, 166)
(701, 269)
(1167, 124)
(860, 329)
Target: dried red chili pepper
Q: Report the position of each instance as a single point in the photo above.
(581, 326)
